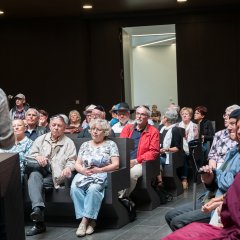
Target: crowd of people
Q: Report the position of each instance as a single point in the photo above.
(35, 136)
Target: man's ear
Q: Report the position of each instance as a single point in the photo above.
(24, 100)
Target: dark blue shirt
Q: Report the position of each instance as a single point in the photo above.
(136, 135)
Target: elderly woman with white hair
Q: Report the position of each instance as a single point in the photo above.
(95, 158)
(170, 139)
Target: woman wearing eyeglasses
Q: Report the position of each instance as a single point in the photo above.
(95, 158)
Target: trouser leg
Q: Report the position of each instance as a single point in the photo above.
(35, 189)
(135, 173)
(183, 215)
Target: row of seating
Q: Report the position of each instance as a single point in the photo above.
(59, 205)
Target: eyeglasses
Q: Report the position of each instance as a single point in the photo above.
(141, 114)
(96, 129)
(95, 115)
(33, 115)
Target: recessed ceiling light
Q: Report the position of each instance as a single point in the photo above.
(87, 6)
(181, 0)
(1, 12)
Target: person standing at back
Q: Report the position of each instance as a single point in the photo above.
(20, 108)
(6, 131)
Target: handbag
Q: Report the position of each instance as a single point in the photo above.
(32, 165)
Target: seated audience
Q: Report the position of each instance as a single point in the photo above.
(114, 115)
(217, 181)
(206, 132)
(58, 152)
(146, 145)
(33, 130)
(43, 118)
(95, 158)
(22, 143)
(87, 113)
(123, 114)
(229, 224)
(20, 108)
(74, 125)
(6, 131)
(97, 112)
(191, 133)
(155, 115)
(170, 139)
(222, 142)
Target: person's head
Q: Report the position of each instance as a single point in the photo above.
(200, 113)
(228, 111)
(154, 107)
(113, 111)
(186, 114)
(74, 117)
(234, 115)
(19, 129)
(32, 117)
(57, 125)
(174, 106)
(98, 112)
(123, 112)
(99, 129)
(142, 115)
(20, 100)
(170, 116)
(43, 117)
(88, 112)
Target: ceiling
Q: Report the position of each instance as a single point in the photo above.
(152, 36)
(101, 8)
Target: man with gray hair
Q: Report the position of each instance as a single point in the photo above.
(146, 145)
(57, 152)
(33, 130)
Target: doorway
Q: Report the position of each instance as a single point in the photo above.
(150, 68)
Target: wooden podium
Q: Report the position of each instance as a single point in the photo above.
(11, 202)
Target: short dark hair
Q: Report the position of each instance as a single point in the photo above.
(43, 112)
(202, 109)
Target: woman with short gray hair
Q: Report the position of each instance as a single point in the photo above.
(95, 158)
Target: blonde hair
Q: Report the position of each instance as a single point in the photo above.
(188, 109)
(77, 113)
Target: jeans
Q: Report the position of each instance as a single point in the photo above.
(183, 215)
(87, 202)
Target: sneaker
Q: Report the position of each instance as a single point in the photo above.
(36, 229)
(81, 231)
(90, 228)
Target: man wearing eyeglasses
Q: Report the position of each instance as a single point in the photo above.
(58, 152)
(146, 145)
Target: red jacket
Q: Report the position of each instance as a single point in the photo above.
(148, 147)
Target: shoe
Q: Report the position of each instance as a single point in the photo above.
(81, 231)
(90, 227)
(36, 229)
(37, 214)
(185, 184)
